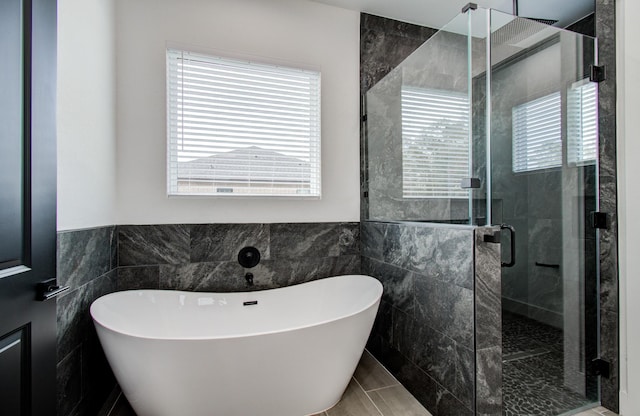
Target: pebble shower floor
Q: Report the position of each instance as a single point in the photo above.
(532, 369)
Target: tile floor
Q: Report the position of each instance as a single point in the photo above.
(373, 391)
(598, 411)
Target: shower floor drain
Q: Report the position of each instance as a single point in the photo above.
(524, 354)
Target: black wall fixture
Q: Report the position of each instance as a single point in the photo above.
(516, 12)
(249, 257)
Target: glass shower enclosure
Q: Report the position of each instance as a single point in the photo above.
(493, 121)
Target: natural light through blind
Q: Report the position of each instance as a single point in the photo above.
(537, 134)
(435, 143)
(582, 123)
(241, 128)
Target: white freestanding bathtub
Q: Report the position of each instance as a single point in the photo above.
(278, 352)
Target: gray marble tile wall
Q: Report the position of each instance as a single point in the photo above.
(384, 44)
(86, 261)
(424, 331)
(609, 288)
(204, 257)
(488, 328)
(438, 64)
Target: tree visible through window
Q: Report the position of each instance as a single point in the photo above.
(435, 143)
(241, 128)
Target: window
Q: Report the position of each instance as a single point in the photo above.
(582, 123)
(435, 143)
(537, 134)
(241, 128)
(537, 130)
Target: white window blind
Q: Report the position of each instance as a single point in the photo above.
(435, 143)
(582, 123)
(537, 134)
(241, 128)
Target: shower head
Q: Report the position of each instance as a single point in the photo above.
(518, 35)
(549, 22)
(518, 32)
(537, 19)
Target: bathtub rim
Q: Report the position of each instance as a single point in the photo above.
(374, 302)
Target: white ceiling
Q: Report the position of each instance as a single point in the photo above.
(436, 13)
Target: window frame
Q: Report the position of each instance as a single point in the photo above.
(522, 141)
(573, 153)
(576, 140)
(307, 140)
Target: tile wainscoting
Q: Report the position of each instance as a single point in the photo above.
(424, 333)
(200, 257)
(204, 257)
(87, 263)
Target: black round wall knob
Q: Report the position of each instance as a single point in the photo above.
(249, 257)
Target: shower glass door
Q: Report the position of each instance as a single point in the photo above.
(543, 140)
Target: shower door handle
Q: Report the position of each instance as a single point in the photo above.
(512, 239)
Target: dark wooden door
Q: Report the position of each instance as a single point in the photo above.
(27, 206)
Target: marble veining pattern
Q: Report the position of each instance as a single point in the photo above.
(428, 341)
(609, 348)
(448, 308)
(84, 255)
(138, 277)
(222, 242)
(489, 379)
(440, 253)
(202, 277)
(140, 245)
(69, 381)
(372, 238)
(314, 240)
(83, 377)
(398, 284)
(73, 322)
(228, 276)
(424, 328)
(487, 290)
(488, 329)
(439, 63)
(384, 43)
(204, 256)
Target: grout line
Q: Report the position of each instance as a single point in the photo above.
(385, 387)
(368, 397)
(113, 406)
(383, 367)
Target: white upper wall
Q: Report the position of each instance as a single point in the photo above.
(628, 36)
(301, 33)
(86, 114)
